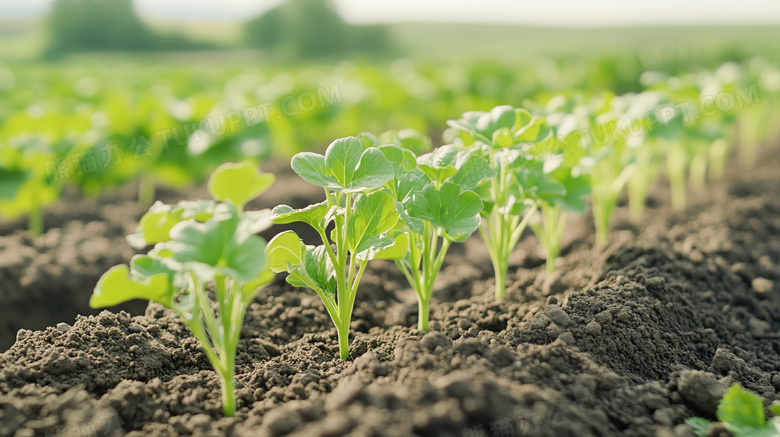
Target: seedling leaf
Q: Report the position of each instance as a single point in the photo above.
(238, 183)
(741, 409)
(116, 286)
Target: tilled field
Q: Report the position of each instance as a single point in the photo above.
(625, 340)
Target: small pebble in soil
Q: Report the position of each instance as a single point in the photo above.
(557, 315)
(63, 327)
(656, 283)
(593, 328)
(568, 338)
(762, 285)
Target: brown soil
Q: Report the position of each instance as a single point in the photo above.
(628, 340)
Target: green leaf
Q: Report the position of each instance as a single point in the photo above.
(346, 167)
(536, 185)
(503, 138)
(218, 245)
(439, 164)
(455, 211)
(373, 214)
(116, 286)
(200, 210)
(342, 158)
(155, 226)
(522, 118)
(498, 117)
(775, 408)
(701, 427)
(472, 169)
(319, 268)
(409, 183)
(534, 132)
(409, 139)
(415, 225)
(356, 169)
(244, 258)
(311, 168)
(253, 222)
(145, 266)
(313, 215)
(373, 171)
(238, 183)
(203, 242)
(397, 250)
(403, 160)
(368, 139)
(285, 251)
(740, 408)
(577, 187)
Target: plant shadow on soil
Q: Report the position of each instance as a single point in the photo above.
(625, 340)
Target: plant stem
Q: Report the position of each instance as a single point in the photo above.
(423, 310)
(500, 268)
(343, 332)
(719, 152)
(698, 170)
(35, 222)
(675, 168)
(228, 391)
(146, 190)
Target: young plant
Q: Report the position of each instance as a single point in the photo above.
(433, 196)
(657, 126)
(197, 244)
(503, 138)
(610, 159)
(559, 187)
(361, 214)
(742, 413)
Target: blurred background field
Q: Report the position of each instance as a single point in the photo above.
(95, 94)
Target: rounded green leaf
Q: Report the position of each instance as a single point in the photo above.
(155, 226)
(740, 408)
(397, 250)
(373, 214)
(313, 215)
(342, 158)
(116, 286)
(285, 251)
(311, 168)
(456, 211)
(239, 182)
(373, 171)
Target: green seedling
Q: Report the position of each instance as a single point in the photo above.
(437, 207)
(559, 188)
(742, 413)
(197, 245)
(361, 214)
(503, 137)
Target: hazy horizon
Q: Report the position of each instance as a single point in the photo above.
(557, 13)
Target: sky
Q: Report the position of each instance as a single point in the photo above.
(528, 12)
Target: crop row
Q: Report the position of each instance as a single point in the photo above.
(391, 197)
(93, 129)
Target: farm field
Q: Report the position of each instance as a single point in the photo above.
(626, 340)
(437, 239)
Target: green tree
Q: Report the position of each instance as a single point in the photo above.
(96, 25)
(312, 28)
